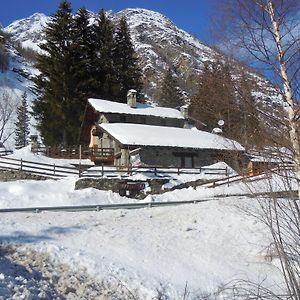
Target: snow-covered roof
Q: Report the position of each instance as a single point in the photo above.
(106, 106)
(148, 135)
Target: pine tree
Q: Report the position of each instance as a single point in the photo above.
(104, 75)
(54, 108)
(22, 124)
(81, 50)
(125, 62)
(169, 94)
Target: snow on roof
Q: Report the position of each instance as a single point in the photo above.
(148, 135)
(106, 106)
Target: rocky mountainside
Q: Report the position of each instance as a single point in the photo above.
(159, 44)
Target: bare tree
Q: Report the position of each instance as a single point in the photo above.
(269, 30)
(7, 110)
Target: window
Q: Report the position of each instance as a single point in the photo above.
(187, 162)
(185, 159)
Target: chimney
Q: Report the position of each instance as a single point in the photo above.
(131, 98)
(185, 111)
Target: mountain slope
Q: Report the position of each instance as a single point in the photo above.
(159, 44)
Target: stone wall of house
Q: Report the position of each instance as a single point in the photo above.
(163, 156)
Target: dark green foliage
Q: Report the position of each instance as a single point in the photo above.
(55, 110)
(169, 94)
(22, 124)
(125, 62)
(103, 71)
(81, 52)
(80, 61)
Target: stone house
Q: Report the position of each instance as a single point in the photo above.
(140, 134)
(137, 144)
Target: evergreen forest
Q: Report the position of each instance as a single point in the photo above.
(80, 60)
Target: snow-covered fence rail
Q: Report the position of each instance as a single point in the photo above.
(155, 170)
(99, 207)
(37, 168)
(4, 152)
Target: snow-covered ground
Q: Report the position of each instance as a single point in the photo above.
(155, 249)
(142, 253)
(145, 252)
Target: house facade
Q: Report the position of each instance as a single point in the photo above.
(137, 144)
(135, 133)
(100, 111)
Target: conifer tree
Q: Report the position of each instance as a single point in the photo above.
(125, 62)
(54, 108)
(169, 94)
(103, 72)
(82, 50)
(22, 124)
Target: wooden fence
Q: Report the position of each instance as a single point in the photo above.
(54, 170)
(37, 168)
(155, 170)
(74, 152)
(4, 152)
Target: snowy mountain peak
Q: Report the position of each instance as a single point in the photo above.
(35, 21)
(159, 44)
(28, 31)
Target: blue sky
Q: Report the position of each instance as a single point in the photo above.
(191, 15)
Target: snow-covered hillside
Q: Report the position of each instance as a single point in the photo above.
(29, 31)
(159, 44)
(13, 83)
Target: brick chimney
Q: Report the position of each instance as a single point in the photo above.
(131, 98)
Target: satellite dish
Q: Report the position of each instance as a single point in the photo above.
(221, 122)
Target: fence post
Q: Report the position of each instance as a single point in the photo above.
(155, 171)
(200, 170)
(102, 169)
(53, 169)
(178, 171)
(79, 167)
(21, 166)
(226, 172)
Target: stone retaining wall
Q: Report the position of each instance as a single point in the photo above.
(13, 175)
(153, 186)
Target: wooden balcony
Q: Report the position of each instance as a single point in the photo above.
(102, 155)
(98, 155)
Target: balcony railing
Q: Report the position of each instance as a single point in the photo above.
(77, 152)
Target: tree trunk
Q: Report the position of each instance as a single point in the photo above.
(294, 137)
